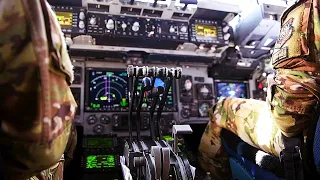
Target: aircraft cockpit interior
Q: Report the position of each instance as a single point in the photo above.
(147, 74)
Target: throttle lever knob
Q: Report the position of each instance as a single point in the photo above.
(146, 81)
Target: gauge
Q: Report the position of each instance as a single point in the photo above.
(204, 91)
(204, 109)
(187, 85)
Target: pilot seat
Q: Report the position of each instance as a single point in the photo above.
(247, 162)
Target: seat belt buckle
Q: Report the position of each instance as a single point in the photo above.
(294, 155)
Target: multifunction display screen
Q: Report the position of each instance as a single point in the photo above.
(65, 19)
(107, 90)
(100, 161)
(231, 89)
(206, 31)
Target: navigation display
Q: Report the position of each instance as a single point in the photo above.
(206, 32)
(107, 90)
(64, 19)
(100, 161)
(147, 101)
(231, 89)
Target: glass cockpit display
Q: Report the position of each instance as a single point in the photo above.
(107, 90)
(100, 161)
(231, 89)
(147, 100)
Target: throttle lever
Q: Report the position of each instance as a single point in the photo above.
(156, 153)
(165, 163)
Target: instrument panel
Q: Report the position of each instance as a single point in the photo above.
(103, 98)
(137, 31)
(143, 28)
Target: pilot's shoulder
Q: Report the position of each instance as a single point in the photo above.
(13, 27)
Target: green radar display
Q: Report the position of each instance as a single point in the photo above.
(100, 161)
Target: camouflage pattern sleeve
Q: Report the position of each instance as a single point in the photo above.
(36, 103)
(293, 93)
(295, 89)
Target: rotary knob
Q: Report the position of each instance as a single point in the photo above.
(225, 29)
(110, 24)
(104, 119)
(92, 119)
(172, 29)
(81, 25)
(124, 25)
(136, 26)
(82, 15)
(98, 129)
(184, 29)
(93, 21)
(185, 113)
(226, 36)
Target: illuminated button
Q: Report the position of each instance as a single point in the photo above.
(82, 15)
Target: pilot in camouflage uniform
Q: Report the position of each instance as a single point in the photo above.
(292, 94)
(36, 104)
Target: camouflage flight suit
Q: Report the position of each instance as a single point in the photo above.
(293, 92)
(36, 103)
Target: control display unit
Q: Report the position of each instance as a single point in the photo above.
(71, 19)
(170, 101)
(107, 90)
(99, 142)
(207, 31)
(100, 161)
(231, 89)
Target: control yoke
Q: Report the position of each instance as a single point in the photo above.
(149, 75)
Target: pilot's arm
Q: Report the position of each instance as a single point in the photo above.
(292, 96)
(36, 104)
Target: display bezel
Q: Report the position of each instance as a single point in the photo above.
(230, 81)
(216, 40)
(63, 26)
(86, 99)
(84, 163)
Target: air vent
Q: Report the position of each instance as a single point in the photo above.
(181, 16)
(130, 11)
(98, 8)
(152, 13)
